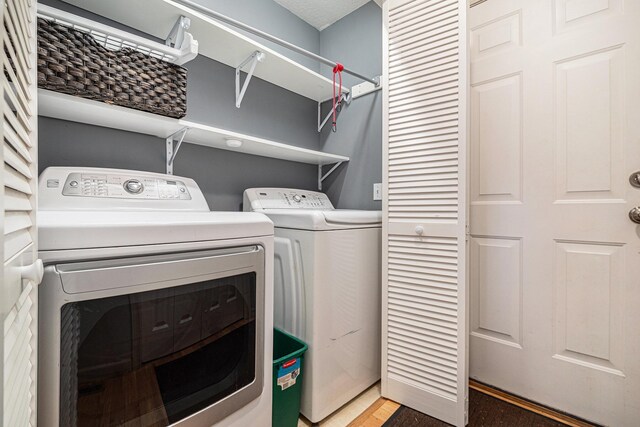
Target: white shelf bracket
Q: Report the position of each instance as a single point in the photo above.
(322, 177)
(172, 150)
(182, 40)
(253, 60)
(344, 98)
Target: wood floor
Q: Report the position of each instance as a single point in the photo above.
(377, 414)
(487, 408)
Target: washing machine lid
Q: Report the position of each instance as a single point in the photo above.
(319, 220)
(306, 210)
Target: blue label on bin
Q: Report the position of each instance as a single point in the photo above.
(288, 373)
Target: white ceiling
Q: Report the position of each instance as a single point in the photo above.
(321, 13)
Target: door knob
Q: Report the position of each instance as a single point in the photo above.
(419, 230)
(634, 214)
(634, 179)
(33, 272)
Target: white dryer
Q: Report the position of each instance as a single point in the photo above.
(153, 310)
(327, 288)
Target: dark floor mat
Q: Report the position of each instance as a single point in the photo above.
(484, 411)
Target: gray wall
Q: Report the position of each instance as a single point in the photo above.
(356, 41)
(267, 111)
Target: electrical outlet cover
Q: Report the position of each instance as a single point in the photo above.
(377, 191)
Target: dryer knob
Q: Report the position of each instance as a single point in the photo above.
(133, 186)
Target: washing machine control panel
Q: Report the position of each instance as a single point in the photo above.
(284, 198)
(123, 187)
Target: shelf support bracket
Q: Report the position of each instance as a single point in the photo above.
(322, 177)
(345, 97)
(253, 60)
(176, 36)
(172, 150)
(180, 39)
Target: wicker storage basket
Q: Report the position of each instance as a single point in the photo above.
(73, 62)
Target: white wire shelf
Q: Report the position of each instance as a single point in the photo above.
(115, 39)
(75, 109)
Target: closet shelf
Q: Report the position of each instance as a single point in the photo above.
(210, 136)
(113, 38)
(71, 108)
(216, 41)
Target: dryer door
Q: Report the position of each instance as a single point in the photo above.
(157, 339)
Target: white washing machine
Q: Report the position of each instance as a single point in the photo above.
(153, 310)
(327, 288)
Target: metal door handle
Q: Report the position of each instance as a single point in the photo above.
(634, 214)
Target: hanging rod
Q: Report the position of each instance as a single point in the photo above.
(220, 17)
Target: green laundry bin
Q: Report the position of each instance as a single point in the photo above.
(288, 367)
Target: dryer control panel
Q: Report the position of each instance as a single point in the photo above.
(65, 188)
(122, 186)
(285, 198)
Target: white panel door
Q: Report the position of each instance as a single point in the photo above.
(554, 257)
(21, 272)
(424, 164)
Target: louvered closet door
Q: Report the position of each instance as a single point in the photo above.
(19, 178)
(424, 149)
